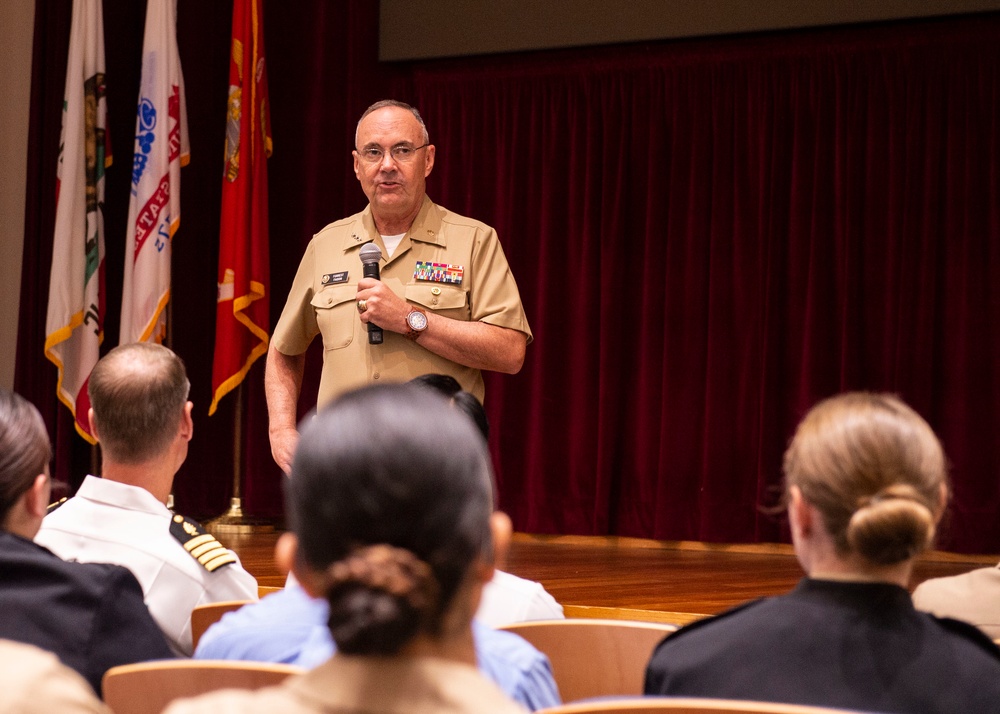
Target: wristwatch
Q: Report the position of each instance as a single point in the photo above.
(416, 321)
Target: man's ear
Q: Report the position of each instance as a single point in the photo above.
(187, 423)
(93, 423)
(431, 150)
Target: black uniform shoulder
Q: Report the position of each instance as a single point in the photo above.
(968, 632)
(665, 654)
(700, 625)
(200, 544)
(90, 581)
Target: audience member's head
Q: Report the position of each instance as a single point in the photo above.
(449, 387)
(443, 383)
(25, 453)
(138, 396)
(875, 472)
(391, 502)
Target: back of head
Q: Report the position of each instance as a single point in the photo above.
(25, 450)
(445, 384)
(138, 392)
(390, 497)
(448, 387)
(875, 470)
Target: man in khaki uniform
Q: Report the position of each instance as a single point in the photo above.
(446, 302)
(141, 417)
(973, 597)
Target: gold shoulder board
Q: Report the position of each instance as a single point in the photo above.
(200, 544)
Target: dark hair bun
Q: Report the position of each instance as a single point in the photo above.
(379, 598)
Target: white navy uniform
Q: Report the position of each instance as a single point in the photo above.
(508, 599)
(178, 564)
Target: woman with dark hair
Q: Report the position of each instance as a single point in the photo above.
(390, 504)
(91, 616)
(448, 387)
(506, 598)
(865, 488)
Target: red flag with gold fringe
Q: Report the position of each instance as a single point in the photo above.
(242, 319)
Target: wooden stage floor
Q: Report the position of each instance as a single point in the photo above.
(638, 579)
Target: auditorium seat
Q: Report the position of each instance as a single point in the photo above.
(204, 616)
(594, 657)
(148, 687)
(684, 705)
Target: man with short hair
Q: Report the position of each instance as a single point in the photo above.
(446, 302)
(91, 615)
(141, 417)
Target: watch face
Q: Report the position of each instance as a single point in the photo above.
(417, 320)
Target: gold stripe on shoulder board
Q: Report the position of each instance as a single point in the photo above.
(200, 544)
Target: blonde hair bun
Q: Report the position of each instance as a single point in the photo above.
(875, 471)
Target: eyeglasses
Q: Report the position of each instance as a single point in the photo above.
(400, 153)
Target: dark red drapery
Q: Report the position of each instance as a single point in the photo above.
(709, 236)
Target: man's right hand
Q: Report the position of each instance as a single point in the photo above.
(283, 443)
(282, 382)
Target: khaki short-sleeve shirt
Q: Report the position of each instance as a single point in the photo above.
(322, 301)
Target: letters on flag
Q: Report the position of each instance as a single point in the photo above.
(74, 325)
(242, 320)
(161, 148)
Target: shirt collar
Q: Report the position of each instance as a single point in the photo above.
(864, 595)
(121, 495)
(426, 228)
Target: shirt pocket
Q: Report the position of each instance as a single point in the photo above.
(336, 314)
(444, 299)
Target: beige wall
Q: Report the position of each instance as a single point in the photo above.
(15, 84)
(417, 29)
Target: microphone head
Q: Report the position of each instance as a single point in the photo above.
(370, 253)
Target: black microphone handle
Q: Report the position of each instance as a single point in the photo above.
(375, 334)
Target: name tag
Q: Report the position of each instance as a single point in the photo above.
(334, 278)
(439, 272)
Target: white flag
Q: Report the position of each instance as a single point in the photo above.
(161, 148)
(74, 325)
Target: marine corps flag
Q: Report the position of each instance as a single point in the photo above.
(161, 148)
(242, 321)
(74, 326)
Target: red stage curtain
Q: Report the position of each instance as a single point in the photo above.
(709, 236)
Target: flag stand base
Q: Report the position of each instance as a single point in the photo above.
(233, 521)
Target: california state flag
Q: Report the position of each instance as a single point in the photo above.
(242, 320)
(161, 148)
(74, 326)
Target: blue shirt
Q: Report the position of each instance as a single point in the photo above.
(290, 627)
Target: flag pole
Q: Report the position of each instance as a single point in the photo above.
(241, 326)
(234, 521)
